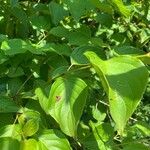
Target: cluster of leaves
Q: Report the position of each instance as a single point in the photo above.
(73, 74)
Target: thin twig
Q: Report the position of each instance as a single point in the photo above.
(103, 103)
(45, 36)
(133, 119)
(70, 67)
(23, 84)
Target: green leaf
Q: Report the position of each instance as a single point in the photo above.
(135, 145)
(78, 8)
(80, 36)
(14, 85)
(2, 38)
(6, 118)
(30, 144)
(145, 35)
(98, 115)
(29, 114)
(122, 8)
(40, 23)
(31, 127)
(77, 56)
(53, 139)
(21, 19)
(59, 71)
(124, 79)
(61, 49)
(144, 58)
(17, 46)
(9, 144)
(127, 50)
(14, 46)
(60, 60)
(57, 12)
(67, 98)
(103, 6)
(13, 3)
(8, 105)
(143, 127)
(41, 8)
(20, 14)
(42, 95)
(60, 31)
(15, 72)
(100, 138)
(83, 34)
(12, 131)
(3, 58)
(104, 19)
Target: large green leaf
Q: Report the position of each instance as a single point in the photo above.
(124, 79)
(53, 140)
(65, 103)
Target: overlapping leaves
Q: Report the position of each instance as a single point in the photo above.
(44, 74)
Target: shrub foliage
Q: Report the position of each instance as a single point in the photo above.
(74, 74)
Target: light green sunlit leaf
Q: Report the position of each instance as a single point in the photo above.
(124, 79)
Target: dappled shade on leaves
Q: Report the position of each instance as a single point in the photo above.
(65, 102)
(124, 79)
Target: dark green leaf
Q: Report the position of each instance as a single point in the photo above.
(8, 105)
(135, 145)
(57, 12)
(77, 56)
